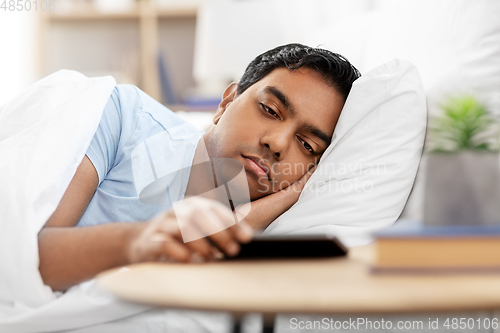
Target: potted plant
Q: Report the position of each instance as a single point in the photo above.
(463, 172)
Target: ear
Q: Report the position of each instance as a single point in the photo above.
(227, 98)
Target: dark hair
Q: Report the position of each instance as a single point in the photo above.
(334, 68)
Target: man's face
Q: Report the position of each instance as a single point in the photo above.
(278, 128)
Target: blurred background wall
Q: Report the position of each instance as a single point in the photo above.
(184, 52)
(17, 52)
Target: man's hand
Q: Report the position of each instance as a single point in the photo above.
(265, 210)
(161, 238)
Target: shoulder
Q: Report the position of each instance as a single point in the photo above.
(144, 116)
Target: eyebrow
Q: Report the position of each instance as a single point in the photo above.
(282, 98)
(286, 102)
(319, 133)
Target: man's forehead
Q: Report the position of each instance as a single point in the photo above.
(284, 75)
(302, 88)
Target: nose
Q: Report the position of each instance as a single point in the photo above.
(277, 141)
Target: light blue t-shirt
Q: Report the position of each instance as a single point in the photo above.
(138, 141)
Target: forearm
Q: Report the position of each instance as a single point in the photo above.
(69, 256)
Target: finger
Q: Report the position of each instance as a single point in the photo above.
(222, 211)
(175, 250)
(199, 220)
(208, 221)
(241, 231)
(202, 247)
(217, 254)
(181, 225)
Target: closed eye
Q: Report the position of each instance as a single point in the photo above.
(269, 111)
(306, 145)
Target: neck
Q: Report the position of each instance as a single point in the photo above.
(201, 176)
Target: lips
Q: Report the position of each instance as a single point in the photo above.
(258, 166)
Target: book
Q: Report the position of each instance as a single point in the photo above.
(413, 247)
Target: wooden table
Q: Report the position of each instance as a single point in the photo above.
(335, 285)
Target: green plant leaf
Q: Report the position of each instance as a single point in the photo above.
(462, 125)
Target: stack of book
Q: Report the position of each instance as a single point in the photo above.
(413, 247)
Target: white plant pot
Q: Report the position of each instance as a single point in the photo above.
(462, 189)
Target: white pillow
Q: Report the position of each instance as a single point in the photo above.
(364, 178)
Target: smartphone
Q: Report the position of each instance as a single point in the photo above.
(291, 247)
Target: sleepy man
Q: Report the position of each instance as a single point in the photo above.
(277, 121)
